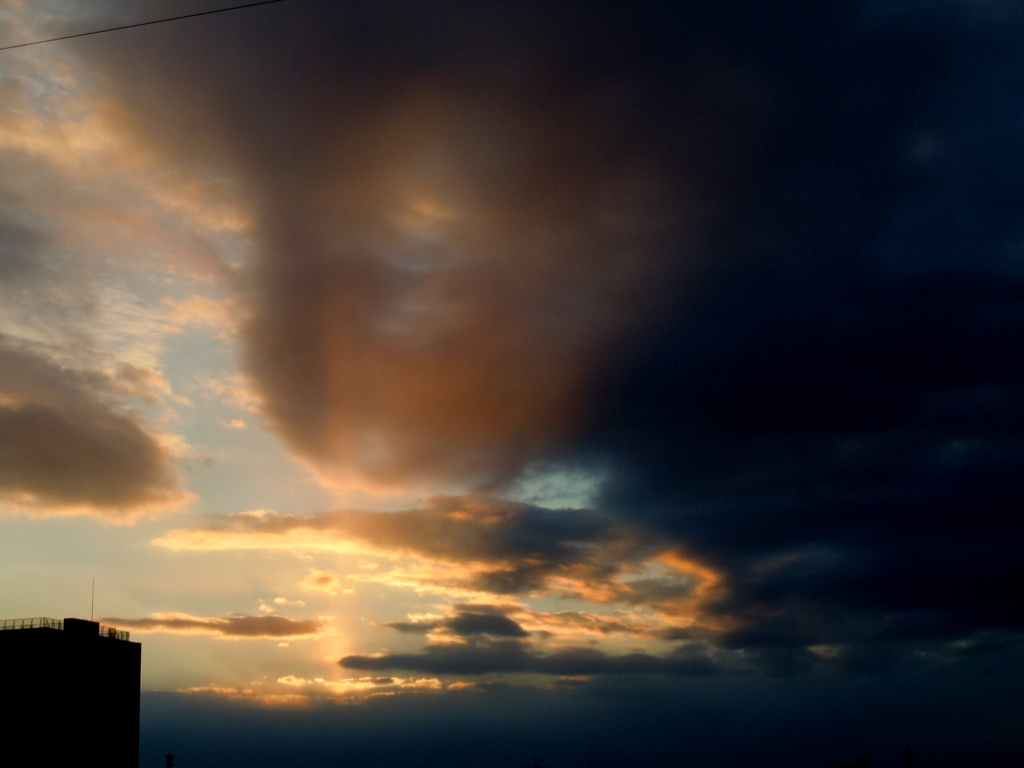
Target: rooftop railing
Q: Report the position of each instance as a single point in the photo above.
(37, 622)
(114, 634)
(42, 622)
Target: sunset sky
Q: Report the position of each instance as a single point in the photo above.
(463, 383)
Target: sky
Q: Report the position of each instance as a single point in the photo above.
(474, 384)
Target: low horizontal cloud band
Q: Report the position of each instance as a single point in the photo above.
(233, 625)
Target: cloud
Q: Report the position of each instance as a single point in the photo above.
(294, 691)
(85, 262)
(478, 255)
(477, 546)
(233, 625)
(86, 213)
(474, 623)
(556, 629)
(511, 656)
(357, 688)
(580, 625)
(770, 285)
(467, 528)
(233, 391)
(322, 581)
(200, 311)
(71, 444)
(466, 623)
(141, 382)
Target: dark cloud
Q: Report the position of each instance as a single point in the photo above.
(512, 581)
(511, 656)
(481, 623)
(833, 423)
(233, 625)
(759, 262)
(498, 609)
(467, 623)
(68, 441)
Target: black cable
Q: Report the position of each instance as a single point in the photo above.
(139, 24)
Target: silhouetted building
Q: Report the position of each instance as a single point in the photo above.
(75, 684)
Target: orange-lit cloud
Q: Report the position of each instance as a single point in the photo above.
(202, 312)
(322, 581)
(358, 687)
(295, 691)
(469, 549)
(234, 391)
(579, 626)
(234, 626)
(460, 529)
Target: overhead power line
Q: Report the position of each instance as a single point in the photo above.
(139, 24)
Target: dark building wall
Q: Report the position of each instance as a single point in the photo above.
(82, 688)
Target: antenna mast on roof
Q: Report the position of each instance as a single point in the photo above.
(92, 606)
